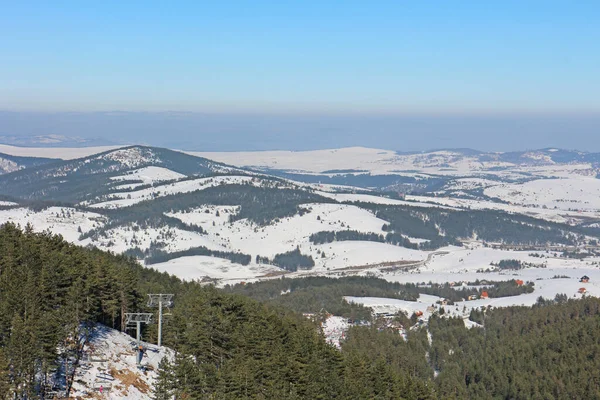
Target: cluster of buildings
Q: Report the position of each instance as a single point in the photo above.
(584, 279)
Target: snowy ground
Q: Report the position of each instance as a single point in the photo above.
(200, 267)
(128, 198)
(375, 161)
(148, 175)
(124, 238)
(566, 194)
(334, 329)
(563, 215)
(59, 220)
(65, 153)
(109, 362)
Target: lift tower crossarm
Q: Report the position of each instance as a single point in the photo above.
(161, 300)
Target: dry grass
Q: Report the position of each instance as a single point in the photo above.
(130, 378)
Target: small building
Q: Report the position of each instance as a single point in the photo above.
(419, 313)
(584, 279)
(519, 282)
(581, 290)
(472, 297)
(484, 295)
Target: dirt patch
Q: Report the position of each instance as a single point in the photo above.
(130, 378)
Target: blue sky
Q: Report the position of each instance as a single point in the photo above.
(389, 61)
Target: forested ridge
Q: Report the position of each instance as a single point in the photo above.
(316, 293)
(443, 227)
(228, 346)
(232, 347)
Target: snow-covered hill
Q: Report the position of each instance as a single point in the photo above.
(149, 201)
(98, 174)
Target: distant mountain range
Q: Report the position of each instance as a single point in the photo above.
(53, 141)
(541, 156)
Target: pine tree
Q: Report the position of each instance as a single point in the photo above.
(165, 383)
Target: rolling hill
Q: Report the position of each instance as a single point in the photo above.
(80, 179)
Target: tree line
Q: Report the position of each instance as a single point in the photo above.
(290, 261)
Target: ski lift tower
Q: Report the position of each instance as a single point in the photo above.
(138, 319)
(161, 300)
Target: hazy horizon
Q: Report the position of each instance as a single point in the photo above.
(274, 75)
(251, 132)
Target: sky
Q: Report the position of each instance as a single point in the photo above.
(297, 75)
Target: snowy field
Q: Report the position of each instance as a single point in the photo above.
(375, 161)
(306, 161)
(59, 220)
(65, 153)
(379, 161)
(197, 268)
(565, 194)
(128, 198)
(149, 175)
(562, 215)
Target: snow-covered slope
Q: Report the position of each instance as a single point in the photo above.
(565, 194)
(128, 198)
(148, 175)
(66, 221)
(108, 368)
(79, 179)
